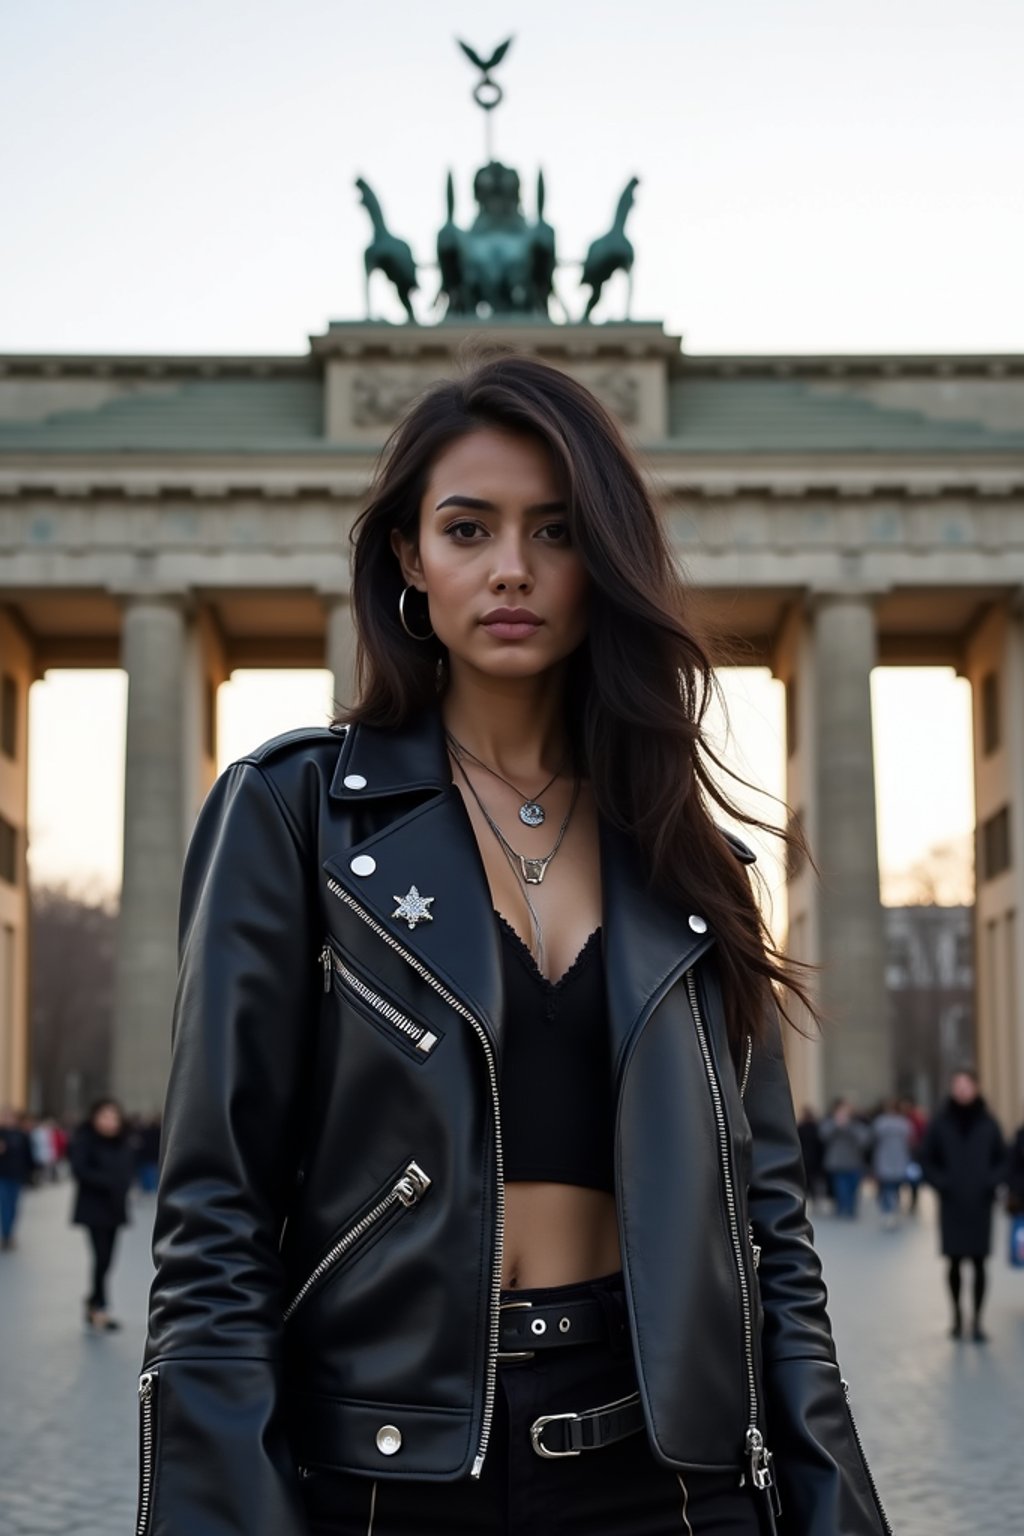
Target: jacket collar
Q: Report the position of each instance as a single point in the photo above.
(646, 942)
(375, 763)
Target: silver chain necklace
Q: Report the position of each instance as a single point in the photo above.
(531, 812)
(530, 871)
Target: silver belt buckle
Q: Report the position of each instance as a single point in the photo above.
(515, 1354)
(537, 1429)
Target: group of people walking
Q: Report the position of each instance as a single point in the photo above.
(106, 1155)
(960, 1152)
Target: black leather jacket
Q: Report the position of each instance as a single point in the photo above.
(329, 1226)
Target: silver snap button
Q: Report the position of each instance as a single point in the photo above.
(564, 1325)
(389, 1438)
(363, 864)
(539, 1325)
(698, 924)
(354, 781)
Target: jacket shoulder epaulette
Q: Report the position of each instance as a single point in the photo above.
(275, 746)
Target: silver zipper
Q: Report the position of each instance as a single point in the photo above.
(411, 1186)
(423, 1039)
(746, 1065)
(867, 1469)
(147, 1388)
(499, 1195)
(757, 1451)
(755, 1248)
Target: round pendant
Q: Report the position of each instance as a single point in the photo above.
(531, 814)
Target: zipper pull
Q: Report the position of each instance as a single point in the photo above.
(146, 1381)
(413, 1184)
(755, 1248)
(325, 961)
(761, 1473)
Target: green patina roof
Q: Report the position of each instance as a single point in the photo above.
(759, 415)
(741, 414)
(197, 415)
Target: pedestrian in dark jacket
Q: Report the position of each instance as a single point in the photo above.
(16, 1167)
(811, 1150)
(964, 1158)
(103, 1166)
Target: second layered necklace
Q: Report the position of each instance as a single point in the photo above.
(529, 871)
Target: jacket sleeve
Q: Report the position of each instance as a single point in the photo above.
(214, 1455)
(824, 1485)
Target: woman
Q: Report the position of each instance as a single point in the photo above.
(102, 1165)
(846, 1140)
(892, 1134)
(478, 1121)
(964, 1158)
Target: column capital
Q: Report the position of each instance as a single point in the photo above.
(130, 594)
(829, 597)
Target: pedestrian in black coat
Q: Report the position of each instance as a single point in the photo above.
(103, 1165)
(964, 1158)
(16, 1169)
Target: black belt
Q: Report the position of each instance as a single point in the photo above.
(585, 1320)
(527, 1326)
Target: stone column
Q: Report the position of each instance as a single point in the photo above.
(340, 649)
(153, 649)
(832, 786)
(17, 673)
(859, 1058)
(994, 662)
(206, 667)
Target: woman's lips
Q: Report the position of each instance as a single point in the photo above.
(508, 623)
(511, 629)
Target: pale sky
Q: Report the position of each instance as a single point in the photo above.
(815, 174)
(838, 176)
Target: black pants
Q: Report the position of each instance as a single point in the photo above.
(617, 1490)
(102, 1240)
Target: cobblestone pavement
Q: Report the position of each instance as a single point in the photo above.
(941, 1422)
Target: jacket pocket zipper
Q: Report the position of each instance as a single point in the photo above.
(864, 1461)
(762, 1475)
(406, 1190)
(147, 1412)
(459, 1007)
(422, 1039)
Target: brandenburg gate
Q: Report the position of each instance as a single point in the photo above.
(181, 517)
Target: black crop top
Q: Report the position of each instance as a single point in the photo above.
(556, 1098)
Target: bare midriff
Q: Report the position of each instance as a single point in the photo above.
(557, 1234)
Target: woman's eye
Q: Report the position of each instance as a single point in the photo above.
(555, 532)
(462, 533)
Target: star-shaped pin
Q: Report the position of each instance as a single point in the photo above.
(413, 907)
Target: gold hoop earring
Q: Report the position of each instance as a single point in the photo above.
(401, 616)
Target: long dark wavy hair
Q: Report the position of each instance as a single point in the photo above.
(639, 686)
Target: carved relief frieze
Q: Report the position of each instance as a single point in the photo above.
(619, 390)
(380, 395)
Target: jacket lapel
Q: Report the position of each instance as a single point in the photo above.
(647, 943)
(431, 846)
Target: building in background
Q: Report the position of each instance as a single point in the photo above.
(930, 980)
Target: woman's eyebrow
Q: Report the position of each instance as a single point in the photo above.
(479, 505)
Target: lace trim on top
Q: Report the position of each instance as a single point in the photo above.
(525, 954)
